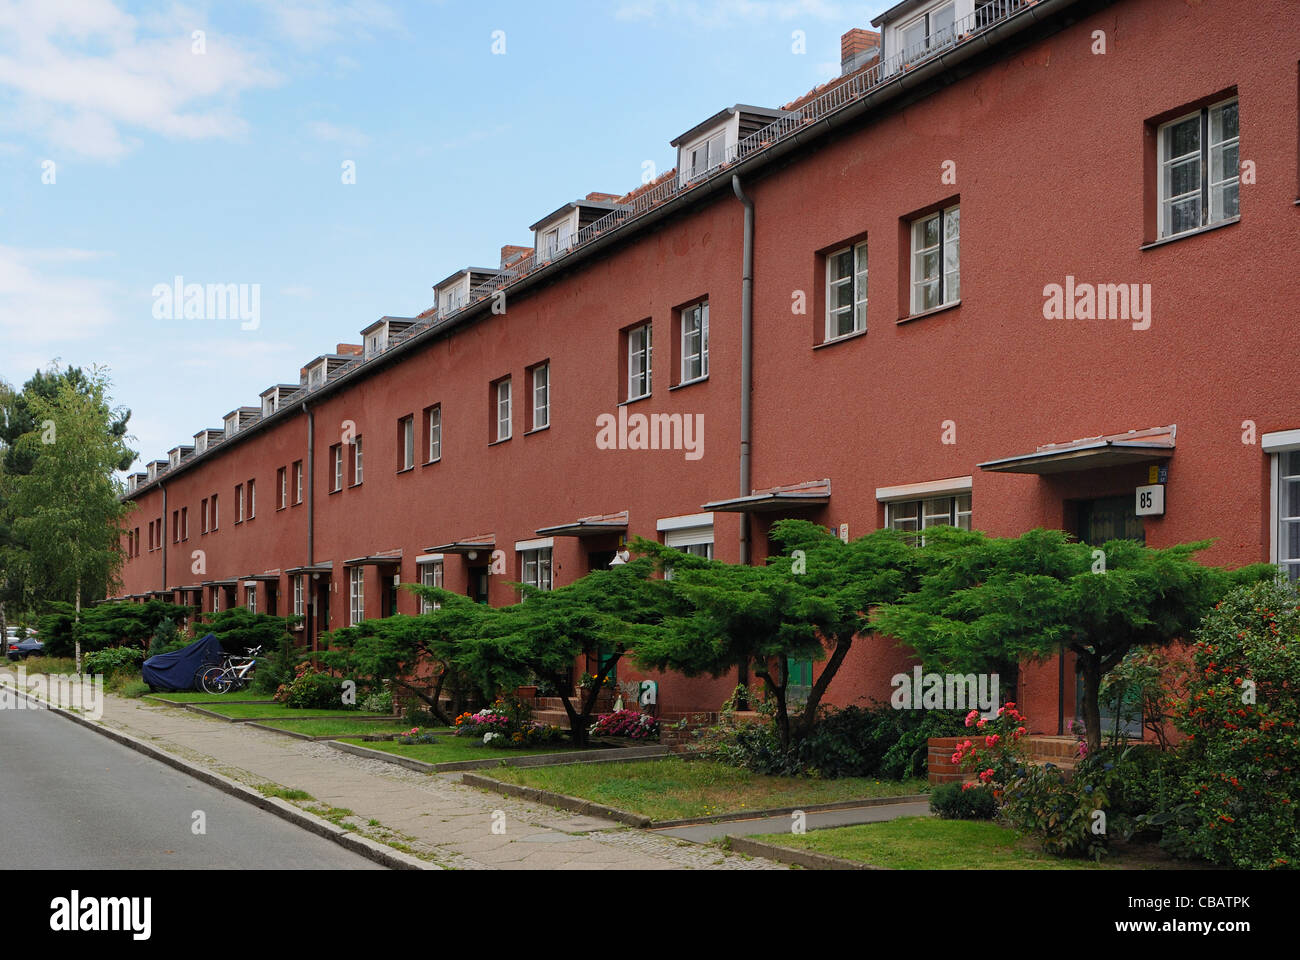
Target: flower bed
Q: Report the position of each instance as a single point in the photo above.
(626, 723)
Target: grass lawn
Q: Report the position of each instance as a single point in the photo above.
(452, 749)
(678, 789)
(338, 727)
(277, 711)
(187, 696)
(928, 843)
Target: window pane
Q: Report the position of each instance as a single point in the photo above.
(842, 265)
(1183, 138)
(930, 232)
(1291, 499)
(952, 223)
(1223, 122)
(1183, 215)
(1185, 177)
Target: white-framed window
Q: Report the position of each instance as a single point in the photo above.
(284, 487)
(1284, 467)
(692, 534)
(357, 472)
(356, 595)
(375, 343)
(1200, 171)
(537, 568)
(913, 516)
(298, 591)
(408, 442)
(936, 260)
(316, 376)
(639, 346)
(706, 155)
(846, 291)
(185, 523)
(252, 500)
(932, 29)
(695, 342)
(541, 396)
(435, 433)
(297, 480)
(214, 512)
(239, 503)
(338, 466)
(430, 576)
(503, 409)
(250, 599)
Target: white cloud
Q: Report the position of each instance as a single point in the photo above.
(316, 23)
(345, 136)
(85, 75)
(40, 305)
(716, 13)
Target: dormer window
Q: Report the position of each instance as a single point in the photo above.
(269, 405)
(934, 28)
(201, 443)
(316, 376)
(557, 239)
(376, 342)
(706, 155)
(174, 458)
(232, 425)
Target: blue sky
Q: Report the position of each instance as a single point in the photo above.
(226, 166)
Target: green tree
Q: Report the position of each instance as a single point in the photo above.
(420, 655)
(105, 624)
(66, 513)
(810, 603)
(604, 615)
(983, 602)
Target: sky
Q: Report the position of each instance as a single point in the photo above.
(141, 142)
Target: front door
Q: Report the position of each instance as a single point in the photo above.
(1112, 518)
(478, 584)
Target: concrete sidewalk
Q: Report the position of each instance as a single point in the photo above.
(432, 816)
(876, 813)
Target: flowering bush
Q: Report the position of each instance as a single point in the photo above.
(1242, 722)
(589, 680)
(506, 724)
(1039, 800)
(415, 736)
(309, 690)
(626, 723)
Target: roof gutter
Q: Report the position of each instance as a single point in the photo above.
(902, 82)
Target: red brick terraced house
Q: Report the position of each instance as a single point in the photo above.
(1020, 260)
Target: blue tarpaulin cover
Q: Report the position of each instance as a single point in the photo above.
(175, 670)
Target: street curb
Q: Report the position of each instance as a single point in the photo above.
(221, 716)
(612, 755)
(574, 804)
(370, 849)
(158, 698)
(577, 804)
(304, 736)
(782, 811)
(799, 858)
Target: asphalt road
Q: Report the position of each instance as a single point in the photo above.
(71, 799)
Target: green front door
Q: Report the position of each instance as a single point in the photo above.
(1112, 518)
(799, 685)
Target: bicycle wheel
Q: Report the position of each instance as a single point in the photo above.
(214, 681)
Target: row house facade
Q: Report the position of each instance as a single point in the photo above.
(1022, 264)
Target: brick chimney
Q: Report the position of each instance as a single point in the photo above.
(510, 253)
(606, 197)
(858, 48)
(348, 348)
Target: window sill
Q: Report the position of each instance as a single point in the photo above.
(497, 443)
(429, 463)
(841, 339)
(1190, 233)
(688, 383)
(627, 403)
(353, 486)
(406, 470)
(335, 490)
(930, 313)
(281, 509)
(529, 433)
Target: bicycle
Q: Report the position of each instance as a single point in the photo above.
(231, 674)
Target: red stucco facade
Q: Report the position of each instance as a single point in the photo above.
(1048, 147)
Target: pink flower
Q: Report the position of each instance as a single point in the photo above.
(983, 720)
(987, 775)
(992, 740)
(970, 717)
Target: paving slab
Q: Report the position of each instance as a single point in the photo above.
(432, 816)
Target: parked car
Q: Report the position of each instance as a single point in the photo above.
(19, 646)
